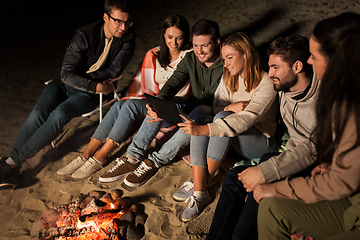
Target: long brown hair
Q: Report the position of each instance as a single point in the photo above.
(339, 39)
(252, 69)
(173, 21)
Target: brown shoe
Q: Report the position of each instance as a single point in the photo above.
(121, 169)
(138, 177)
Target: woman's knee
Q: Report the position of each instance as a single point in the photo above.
(118, 105)
(200, 110)
(222, 114)
(198, 164)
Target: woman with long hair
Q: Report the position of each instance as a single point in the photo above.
(326, 204)
(158, 65)
(245, 110)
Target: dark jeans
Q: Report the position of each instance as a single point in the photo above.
(234, 217)
(57, 105)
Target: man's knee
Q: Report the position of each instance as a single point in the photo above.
(60, 115)
(270, 208)
(232, 175)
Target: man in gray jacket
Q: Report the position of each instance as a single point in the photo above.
(297, 86)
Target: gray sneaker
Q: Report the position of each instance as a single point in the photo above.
(194, 207)
(186, 190)
(72, 166)
(88, 168)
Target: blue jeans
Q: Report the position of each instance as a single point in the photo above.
(143, 138)
(57, 105)
(179, 140)
(119, 119)
(168, 151)
(234, 218)
(250, 144)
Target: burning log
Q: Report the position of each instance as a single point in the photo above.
(95, 206)
(66, 231)
(97, 215)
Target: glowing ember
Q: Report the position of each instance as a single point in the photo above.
(95, 220)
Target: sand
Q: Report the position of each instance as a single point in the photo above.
(34, 38)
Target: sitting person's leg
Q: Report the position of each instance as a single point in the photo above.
(158, 159)
(199, 146)
(135, 151)
(234, 217)
(143, 139)
(97, 140)
(246, 227)
(252, 144)
(131, 111)
(318, 220)
(229, 206)
(206, 154)
(56, 107)
(202, 169)
(115, 128)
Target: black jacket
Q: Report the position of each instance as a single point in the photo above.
(85, 49)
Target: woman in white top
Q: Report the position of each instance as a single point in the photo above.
(158, 65)
(245, 119)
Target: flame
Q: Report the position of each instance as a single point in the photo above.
(98, 221)
(81, 225)
(112, 205)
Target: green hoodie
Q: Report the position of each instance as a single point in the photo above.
(203, 80)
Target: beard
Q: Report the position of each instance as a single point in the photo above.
(285, 84)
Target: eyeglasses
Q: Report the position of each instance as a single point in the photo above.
(119, 22)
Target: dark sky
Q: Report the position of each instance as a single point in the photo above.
(35, 34)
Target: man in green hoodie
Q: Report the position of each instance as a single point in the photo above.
(204, 68)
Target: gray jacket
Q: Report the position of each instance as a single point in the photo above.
(299, 118)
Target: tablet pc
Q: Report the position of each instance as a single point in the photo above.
(165, 109)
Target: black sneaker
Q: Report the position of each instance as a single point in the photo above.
(8, 175)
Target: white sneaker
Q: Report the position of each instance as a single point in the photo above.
(186, 190)
(72, 166)
(88, 168)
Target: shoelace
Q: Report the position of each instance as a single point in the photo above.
(88, 163)
(187, 186)
(192, 201)
(142, 169)
(117, 165)
(76, 160)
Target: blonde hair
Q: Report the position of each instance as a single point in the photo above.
(253, 74)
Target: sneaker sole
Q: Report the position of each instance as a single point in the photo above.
(179, 199)
(8, 185)
(186, 220)
(113, 179)
(65, 173)
(130, 184)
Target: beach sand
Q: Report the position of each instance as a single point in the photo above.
(34, 39)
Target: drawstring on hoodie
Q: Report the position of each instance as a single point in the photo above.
(293, 118)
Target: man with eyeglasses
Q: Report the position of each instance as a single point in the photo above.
(97, 53)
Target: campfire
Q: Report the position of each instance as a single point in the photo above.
(96, 215)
